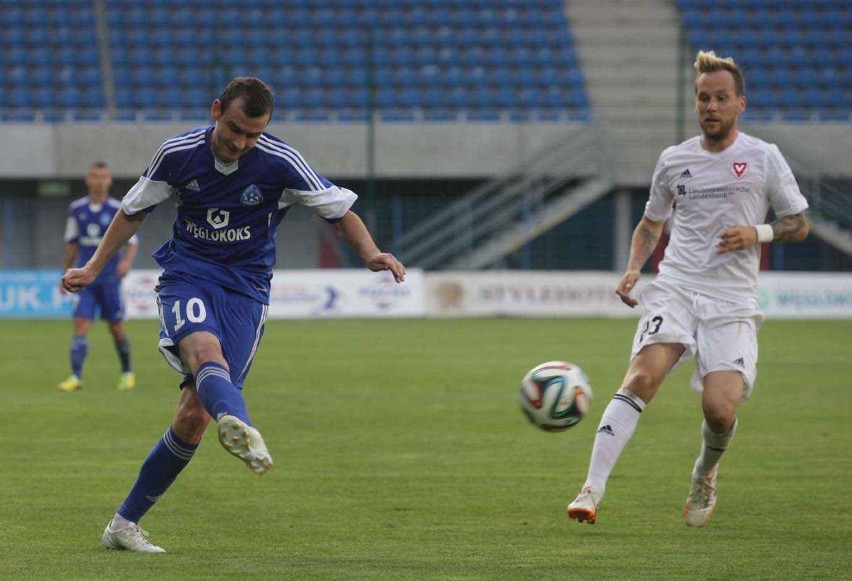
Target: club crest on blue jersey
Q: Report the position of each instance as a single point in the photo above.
(251, 196)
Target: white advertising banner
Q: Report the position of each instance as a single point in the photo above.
(361, 293)
(806, 295)
(309, 294)
(592, 294)
(140, 300)
(345, 293)
(526, 294)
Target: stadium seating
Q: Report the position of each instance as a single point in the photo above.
(407, 60)
(795, 54)
(334, 60)
(49, 60)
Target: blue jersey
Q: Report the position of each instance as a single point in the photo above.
(227, 214)
(87, 223)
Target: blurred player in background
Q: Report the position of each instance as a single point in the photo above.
(233, 184)
(704, 300)
(88, 220)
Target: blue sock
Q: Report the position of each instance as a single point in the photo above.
(123, 348)
(165, 461)
(79, 348)
(218, 395)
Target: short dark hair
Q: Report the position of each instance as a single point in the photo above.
(99, 164)
(256, 95)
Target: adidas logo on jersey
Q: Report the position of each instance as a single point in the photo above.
(739, 361)
(193, 185)
(685, 174)
(607, 429)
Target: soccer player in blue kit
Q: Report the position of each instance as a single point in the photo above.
(232, 183)
(88, 219)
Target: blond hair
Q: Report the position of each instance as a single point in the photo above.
(708, 62)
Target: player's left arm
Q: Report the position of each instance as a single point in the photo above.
(792, 228)
(71, 249)
(353, 231)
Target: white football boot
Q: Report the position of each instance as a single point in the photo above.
(701, 501)
(244, 442)
(585, 506)
(129, 538)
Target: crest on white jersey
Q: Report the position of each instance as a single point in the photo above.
(739, 168)
(218, 218)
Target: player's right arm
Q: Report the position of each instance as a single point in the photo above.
(645, 238)
(122, 228)
(152, 188)
(648, 231)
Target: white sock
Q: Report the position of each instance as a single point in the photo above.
(617, 426)
(712, 447)
(118, 523)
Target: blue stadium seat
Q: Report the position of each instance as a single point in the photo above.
(93, 98)
(70, 98)
(41, 76)
(196, 97)
(445, 56)
(42, 97)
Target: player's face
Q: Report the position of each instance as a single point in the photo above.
(717, 104)
(98, 182)
(235, 132)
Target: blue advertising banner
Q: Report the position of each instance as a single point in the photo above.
(32, 294)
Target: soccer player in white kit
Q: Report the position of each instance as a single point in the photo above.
(704, 301)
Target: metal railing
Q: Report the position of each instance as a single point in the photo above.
(466, 223)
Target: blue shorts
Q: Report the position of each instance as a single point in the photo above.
(105, 298)
(235, 319)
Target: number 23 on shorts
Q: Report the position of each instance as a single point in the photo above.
(651, 327)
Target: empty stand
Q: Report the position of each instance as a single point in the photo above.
(335, 60)
(795, 54)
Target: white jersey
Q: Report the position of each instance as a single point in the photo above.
(711, 192)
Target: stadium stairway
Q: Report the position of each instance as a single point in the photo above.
(629, 54)
(491, 222)
(830, 211)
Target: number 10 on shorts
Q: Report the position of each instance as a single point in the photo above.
(195, 312)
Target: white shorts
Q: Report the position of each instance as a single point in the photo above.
(721, 334)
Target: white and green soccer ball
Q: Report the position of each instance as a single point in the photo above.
(555, 395)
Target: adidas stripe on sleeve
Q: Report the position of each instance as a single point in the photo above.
(306, 186)
(154, 186)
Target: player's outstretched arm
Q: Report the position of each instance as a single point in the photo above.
(122, 228)
(645, 238)
(793, 228)
(355, 234)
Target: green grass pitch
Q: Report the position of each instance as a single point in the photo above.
(400, 453)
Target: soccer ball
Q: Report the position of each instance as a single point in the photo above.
(555, 395)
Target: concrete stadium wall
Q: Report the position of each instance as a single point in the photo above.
(431, 150)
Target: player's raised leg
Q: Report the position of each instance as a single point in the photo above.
(644, 376)
(723, 390)
(202, 353)
(164, 463)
